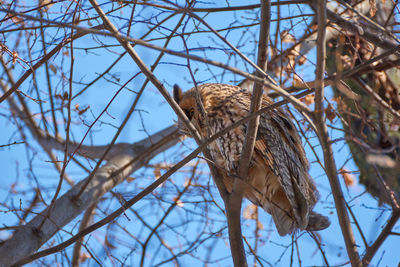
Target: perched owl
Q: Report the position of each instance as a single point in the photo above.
(278, 179)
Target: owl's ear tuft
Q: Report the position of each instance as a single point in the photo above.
(177, 93)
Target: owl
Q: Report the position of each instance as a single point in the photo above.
(278, 179)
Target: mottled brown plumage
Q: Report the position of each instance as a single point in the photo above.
(278, 178)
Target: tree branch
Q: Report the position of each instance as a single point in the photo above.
(45, 59)
(27, 239)
(233, 203)
(386, 231)
(325, 142)
(124, 39)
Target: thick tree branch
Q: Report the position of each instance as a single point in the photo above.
(233, 203)
(28, 239)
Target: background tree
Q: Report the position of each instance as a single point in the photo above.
(95, 172)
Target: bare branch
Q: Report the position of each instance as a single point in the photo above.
(324, 140)
(234, 202)
(28, 239)
(371, 251)
(44, 59)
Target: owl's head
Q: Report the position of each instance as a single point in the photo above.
(187, 102)
(210, 100)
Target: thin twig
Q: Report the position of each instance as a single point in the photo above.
(44, 59)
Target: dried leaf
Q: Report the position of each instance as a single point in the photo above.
(83, 110)
(260, 225)
(372, 9)
(178, 202)
(77, 20)
(157, 172)
(65, 96)
(297, 81)
(329, 113)
(286, 37)
(45, 4)
(13, 185)
(187, 182)
(130, 179)
(348, 178)
(53, 68)
(17, 20)
(14, 56)
(344, 63)
(84, 257)
(308, 99)
(301, 60)
(314, 27)
(250, 212)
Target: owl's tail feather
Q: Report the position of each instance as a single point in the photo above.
(281, 212)
(317, 222)
(284, 223)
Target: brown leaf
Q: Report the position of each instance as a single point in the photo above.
(77, 20)
(45, 4)
(53, 68)
(260, 225)
(301, 60)
(178, 202)
(250, 212)
(308, 99)
(314, 27)
(372, 9)
(17, 20)
(13, 188)
(345, 63)
(329, 113)
(157, 172)
(15, 57)
(83, 110)
(297, 81)
(286, 37)
(84, 257)
(348, 178)
(130, 179)
(65, 96)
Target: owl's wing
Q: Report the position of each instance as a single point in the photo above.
(280, 146)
